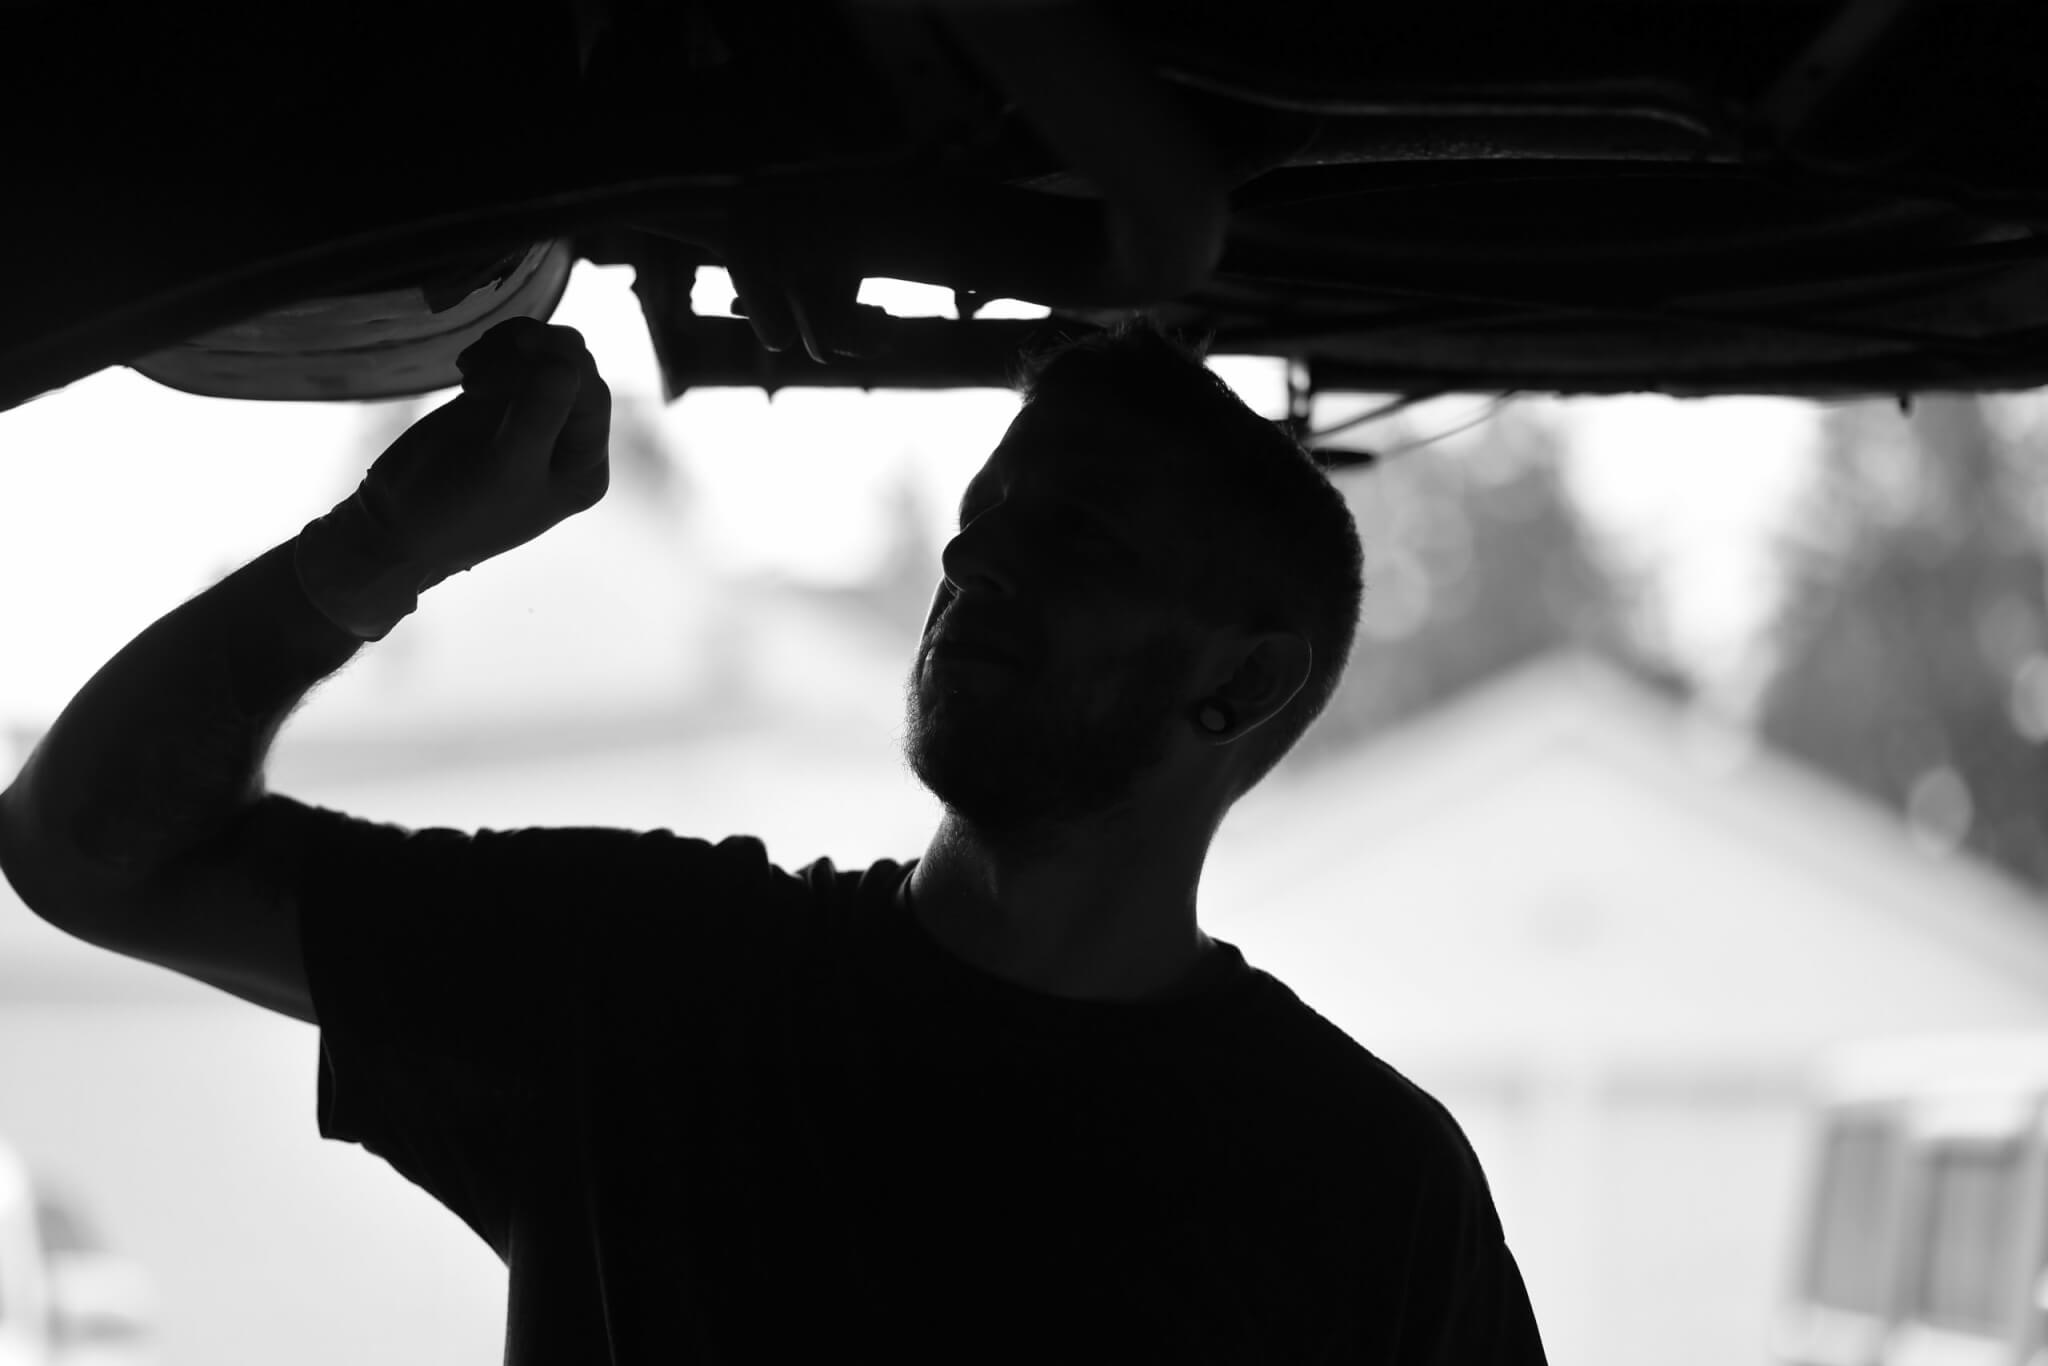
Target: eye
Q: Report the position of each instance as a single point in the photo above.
(1090, 544)
(1086, 537)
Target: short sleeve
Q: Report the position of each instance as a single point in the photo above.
(1491, 1322)
(1467, 1304)
(450, 973)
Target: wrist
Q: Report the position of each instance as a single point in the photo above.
(354, 575)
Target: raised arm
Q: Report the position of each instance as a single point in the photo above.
(139, 822)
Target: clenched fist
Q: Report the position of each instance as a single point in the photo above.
(525, 446)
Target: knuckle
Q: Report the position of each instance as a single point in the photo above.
(561, 341)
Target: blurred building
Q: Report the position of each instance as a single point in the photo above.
(1614, 940)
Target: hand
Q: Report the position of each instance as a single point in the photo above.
(524, 447)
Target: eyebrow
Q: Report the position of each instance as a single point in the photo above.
(1087, 509)
(1101, 519)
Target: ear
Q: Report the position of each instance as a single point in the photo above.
(1269, 669)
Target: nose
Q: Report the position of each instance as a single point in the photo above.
(979, 559)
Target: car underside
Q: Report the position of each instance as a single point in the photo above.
(1827, 198)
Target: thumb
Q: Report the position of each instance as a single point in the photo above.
(584, 441)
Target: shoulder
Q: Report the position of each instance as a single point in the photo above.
(1463, 1289)
(1362, 1103)
(341, 850)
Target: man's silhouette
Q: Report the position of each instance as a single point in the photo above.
(1003, 1102)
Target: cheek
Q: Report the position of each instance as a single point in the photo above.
(1126, 668)
(941, 595)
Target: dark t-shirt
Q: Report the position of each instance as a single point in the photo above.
(708, 1110)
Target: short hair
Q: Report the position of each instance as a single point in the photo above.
(1289, 558)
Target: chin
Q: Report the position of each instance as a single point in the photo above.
(969, 778)
(1000, 791)
(1001, 768)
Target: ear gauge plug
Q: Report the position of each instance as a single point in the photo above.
(1213, 717)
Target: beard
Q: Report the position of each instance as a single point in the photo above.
(1021, 756)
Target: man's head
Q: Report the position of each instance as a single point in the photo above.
(1139, 544)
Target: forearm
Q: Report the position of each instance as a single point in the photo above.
(165, 746)
(163, 750)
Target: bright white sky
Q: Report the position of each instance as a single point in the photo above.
(119, 498)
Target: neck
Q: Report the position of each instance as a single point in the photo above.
(1107, 917)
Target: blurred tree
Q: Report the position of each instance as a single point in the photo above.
(1912, 652)
(1477, 559)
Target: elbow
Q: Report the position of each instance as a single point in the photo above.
(18, 842)
(58, 883)
(24, 851)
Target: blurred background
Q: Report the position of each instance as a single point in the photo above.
(1685, 742)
